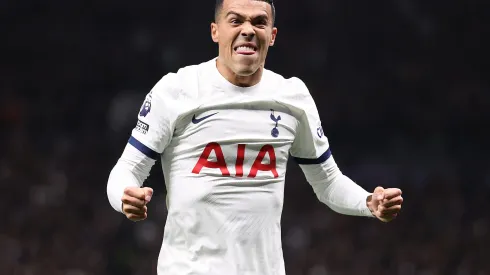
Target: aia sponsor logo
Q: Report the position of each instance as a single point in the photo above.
(221, 164)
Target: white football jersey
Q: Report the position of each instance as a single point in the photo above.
(224, 151)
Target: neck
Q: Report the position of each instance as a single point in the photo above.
(238, 80)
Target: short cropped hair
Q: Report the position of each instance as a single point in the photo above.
(219, 6)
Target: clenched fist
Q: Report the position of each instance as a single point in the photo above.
(134, 201)
(385, 204)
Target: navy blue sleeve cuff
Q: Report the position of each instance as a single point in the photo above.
(324, 157)
(143, 149)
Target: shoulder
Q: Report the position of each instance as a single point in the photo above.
(190, 75)
(292, 89)
(174, 85)
(293, 84)
(298, 87)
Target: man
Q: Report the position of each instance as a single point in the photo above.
(224, 130)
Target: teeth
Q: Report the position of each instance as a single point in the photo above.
(245, 48)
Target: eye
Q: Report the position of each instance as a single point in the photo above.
(262, 24)
(235, 21)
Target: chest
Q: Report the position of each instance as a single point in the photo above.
(239, 121)
(245, 137)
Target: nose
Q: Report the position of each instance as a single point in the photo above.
(248, 31)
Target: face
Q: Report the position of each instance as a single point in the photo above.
(244, 32)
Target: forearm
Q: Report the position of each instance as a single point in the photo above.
(336, 190)
(131, 170)
(345, 197)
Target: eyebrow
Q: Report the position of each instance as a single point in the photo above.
(233, 13)
(261, 16)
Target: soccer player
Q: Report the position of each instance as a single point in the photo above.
(224, 130)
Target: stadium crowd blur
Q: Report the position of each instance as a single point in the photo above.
(402, 88)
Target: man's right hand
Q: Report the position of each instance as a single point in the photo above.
(134, 201)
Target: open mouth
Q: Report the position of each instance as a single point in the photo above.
(246, 50)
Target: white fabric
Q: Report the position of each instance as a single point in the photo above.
(131, 170)
(336, 190)
(224, 152)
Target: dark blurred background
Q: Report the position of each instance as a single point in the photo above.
(402, 88)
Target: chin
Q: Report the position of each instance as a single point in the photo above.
(246, 69)
(245, 72)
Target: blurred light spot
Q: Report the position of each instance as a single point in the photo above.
(147, 233)
(318, 270)
(297, 238)
(10, 249)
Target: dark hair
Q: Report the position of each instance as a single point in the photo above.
(219, 6)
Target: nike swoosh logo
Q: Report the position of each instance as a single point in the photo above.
(197, 120)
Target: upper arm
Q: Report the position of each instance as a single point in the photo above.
(310, 145)
(156, 118)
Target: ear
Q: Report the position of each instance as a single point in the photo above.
(214, 32)
(273, 37)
